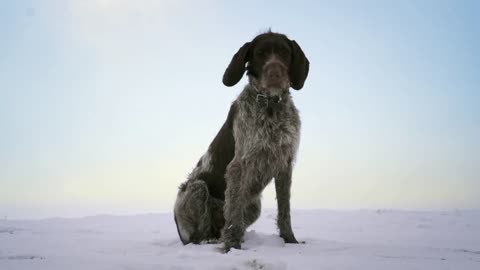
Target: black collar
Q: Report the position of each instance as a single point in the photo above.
(267, 101)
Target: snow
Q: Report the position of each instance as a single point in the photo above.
(363, 239)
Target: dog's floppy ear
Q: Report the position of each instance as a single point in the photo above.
(299, 67)
(236, 68)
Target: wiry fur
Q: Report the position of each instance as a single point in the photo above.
(257, 143)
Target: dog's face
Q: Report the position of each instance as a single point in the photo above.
(268, 64)
(273, 63)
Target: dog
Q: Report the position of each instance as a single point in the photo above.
(257, 143)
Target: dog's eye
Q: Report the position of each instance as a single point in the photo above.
(283, 52)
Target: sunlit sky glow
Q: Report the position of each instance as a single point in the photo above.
(105, 106)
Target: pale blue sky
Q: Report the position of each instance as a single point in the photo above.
(105, 106)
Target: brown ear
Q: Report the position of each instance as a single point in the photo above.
(299, 67)
(236, 68)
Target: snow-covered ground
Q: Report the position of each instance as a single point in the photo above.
(334, 240)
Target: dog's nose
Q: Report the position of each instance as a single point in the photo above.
(274, 71)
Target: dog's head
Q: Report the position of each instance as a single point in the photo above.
(273, 64)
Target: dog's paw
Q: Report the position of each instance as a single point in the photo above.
(291, 240)
(227, 246)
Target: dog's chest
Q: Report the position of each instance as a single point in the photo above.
(273, 132)
(276, 136)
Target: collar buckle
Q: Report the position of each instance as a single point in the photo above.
(262, 99)
(265, 100)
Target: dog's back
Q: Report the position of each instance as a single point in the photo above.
(212, 165)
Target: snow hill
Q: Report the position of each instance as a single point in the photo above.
(363, 239)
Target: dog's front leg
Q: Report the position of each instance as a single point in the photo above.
(283, 182)
(233, 210)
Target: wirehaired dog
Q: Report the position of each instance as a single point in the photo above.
(257, 142)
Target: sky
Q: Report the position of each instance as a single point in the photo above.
(105, 106)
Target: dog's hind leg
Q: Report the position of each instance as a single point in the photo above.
(218, 220)
(193, 212)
